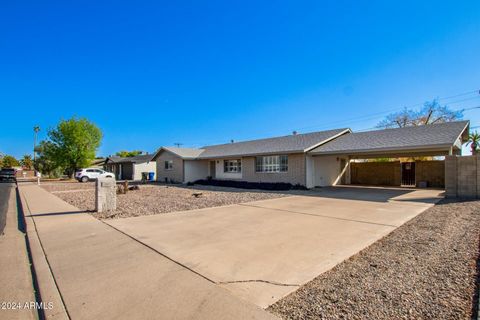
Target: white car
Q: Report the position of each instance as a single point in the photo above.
(87, 174)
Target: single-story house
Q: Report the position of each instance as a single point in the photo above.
(130, 168)
(313, 159)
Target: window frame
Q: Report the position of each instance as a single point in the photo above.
(168, 165)
(232, 166)
(271, 164)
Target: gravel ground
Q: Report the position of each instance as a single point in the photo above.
(156, 199)
(67, 186)
(426, 269)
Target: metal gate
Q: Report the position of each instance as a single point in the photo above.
(408, 174)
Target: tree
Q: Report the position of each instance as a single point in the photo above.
(126, 154)
(27, 162)
(474, 141)
(9, 162)
(72, 144)
(44, 162)
(432, 112)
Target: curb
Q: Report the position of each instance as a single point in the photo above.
(44, 277)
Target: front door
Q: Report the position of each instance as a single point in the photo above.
(408, 174)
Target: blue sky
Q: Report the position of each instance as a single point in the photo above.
(152, 73)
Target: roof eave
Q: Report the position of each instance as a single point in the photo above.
(243, 155)
(442, 146)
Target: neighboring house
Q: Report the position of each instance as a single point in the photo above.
(98, 163)
(130, 168)
(312, 159)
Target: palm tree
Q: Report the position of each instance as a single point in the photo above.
(27, 162)
(474, 140)
(35, 134)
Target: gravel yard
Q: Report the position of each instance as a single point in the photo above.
(426, 269)
(156, 199)
(67, 186)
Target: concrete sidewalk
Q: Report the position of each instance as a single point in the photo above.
(101, 273)
(16, 284)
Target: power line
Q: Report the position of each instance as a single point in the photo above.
(374, 115)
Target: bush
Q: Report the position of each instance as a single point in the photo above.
(272, 186)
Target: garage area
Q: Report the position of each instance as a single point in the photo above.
(407, 157)
(263, 250)
(418, 173)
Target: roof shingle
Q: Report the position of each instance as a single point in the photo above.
(400, 138)
(135, 159)
(285, 144)
(185, 153)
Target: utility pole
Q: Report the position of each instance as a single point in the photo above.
(35, 133)
(177, 144)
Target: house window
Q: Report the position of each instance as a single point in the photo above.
(271, 164)
(232, 166)
(168, 165)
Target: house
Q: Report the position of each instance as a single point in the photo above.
(130, 168)
(180, 165)
(98, 163)
(314, 159)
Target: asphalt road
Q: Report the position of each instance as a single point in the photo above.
(5, 189)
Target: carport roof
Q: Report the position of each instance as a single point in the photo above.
(433, 136)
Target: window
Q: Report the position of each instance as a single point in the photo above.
(232, 166)
(168, 165)
(271, 164)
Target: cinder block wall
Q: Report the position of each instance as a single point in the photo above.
(376, 173)
(389, 173)
(462, 178)
(431, 171)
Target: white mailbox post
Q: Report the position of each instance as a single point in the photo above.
(105, 194)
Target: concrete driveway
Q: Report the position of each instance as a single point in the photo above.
(263, 250)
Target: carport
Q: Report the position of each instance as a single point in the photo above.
(410, 156)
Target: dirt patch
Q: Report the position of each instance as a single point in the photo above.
(426, 269)
(157, 199)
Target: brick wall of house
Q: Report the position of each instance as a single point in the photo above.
(462, 177)
(174, 175)
(294, 175)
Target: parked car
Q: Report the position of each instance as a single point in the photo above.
(7, 174)
(87, 174)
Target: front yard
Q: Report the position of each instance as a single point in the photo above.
(156, 199)
(426, 269)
